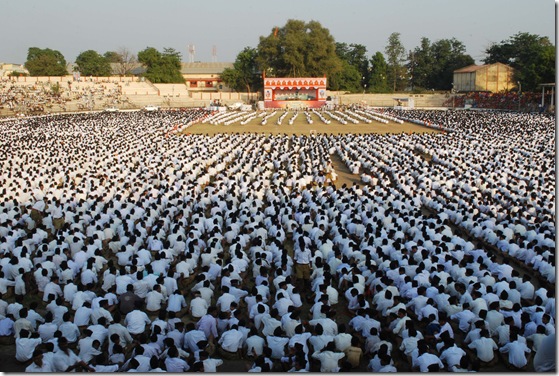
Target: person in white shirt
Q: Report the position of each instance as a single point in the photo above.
(39, 364)
(198, 306)
(192, 337)
(342, 339)
(136, 321)
(277, 342)
(26, 344)
(329, 358)
(485, 348)
(173, 363)
(546, 358)
(210, 364)
(254, 344)
(177, 303)
(47, 329)
(66, 360)
(425, 361)
(155, 300)
(23, 323)
(53, 288)
(517, 351)
(451, 354)
(208, 324)
(230, 343)
(282, 303)
(69, 330)
(88, 347)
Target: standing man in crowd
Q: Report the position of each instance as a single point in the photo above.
(302, 258)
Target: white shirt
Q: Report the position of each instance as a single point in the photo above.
(425, 360)
(452, 355)
(277, 344)
(70, 331)
(255, 345)
(231, 340)
(211, 364)
(136, 321)
(154, 301)
(342, 341)
(176, 365)
(176, 302)
(484, 348)
(25, 348)
(328, 360)
(198, 307)
(517, 351)
(82, 316)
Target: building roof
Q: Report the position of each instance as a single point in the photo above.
(474, 68)
(470, 68)
(204, 68)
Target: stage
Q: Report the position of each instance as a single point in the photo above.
(294, 92)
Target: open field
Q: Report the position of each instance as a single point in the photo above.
(300, 126)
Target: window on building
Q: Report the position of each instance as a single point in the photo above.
(193, 83)
(209, 84)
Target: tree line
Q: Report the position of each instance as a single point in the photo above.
(301, 49)
(160, 67)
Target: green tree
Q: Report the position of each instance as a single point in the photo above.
(447, 55)
(378, 81)
(45, 62)
(532, 56)
(91, 63)
(355, 55)
(162, 67)
(112, 57)
(347, 79)
(421, 65)
(298, 49)
(395, 54)
(244, 75)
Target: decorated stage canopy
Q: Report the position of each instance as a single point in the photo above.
(294, 92)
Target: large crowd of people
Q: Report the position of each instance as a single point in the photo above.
(36, 98)
(48, 97)
(511, 101)
(125, 247)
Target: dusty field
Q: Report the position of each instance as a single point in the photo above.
(300, 126)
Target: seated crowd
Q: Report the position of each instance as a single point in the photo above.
(125, 248)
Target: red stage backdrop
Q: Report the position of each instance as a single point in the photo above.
(294, 92)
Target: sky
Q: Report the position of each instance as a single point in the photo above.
(74, 26)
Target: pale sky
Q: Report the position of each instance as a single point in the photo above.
(74, 26)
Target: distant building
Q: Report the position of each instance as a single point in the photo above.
(490, 77)
(204, 76)
(8, 69)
